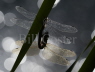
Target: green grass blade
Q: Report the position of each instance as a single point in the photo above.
(72, 66)
(89, 63)
(36, 26)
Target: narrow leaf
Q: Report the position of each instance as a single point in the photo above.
(89, 63)
(72, 66)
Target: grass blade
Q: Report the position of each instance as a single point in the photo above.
(36, 26)
(89, 63)
(72, 66)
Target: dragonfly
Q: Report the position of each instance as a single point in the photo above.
(51, 26)
(50, 52)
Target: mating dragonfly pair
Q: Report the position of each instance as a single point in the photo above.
(50, 52)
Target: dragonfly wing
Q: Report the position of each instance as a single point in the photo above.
(33, 50)
(56, 35)
(22, 23)
(16, 51)
(25, 13)
(60, 51)
(53, 57)
(56, 25)
(62, 27)
(19, 42)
